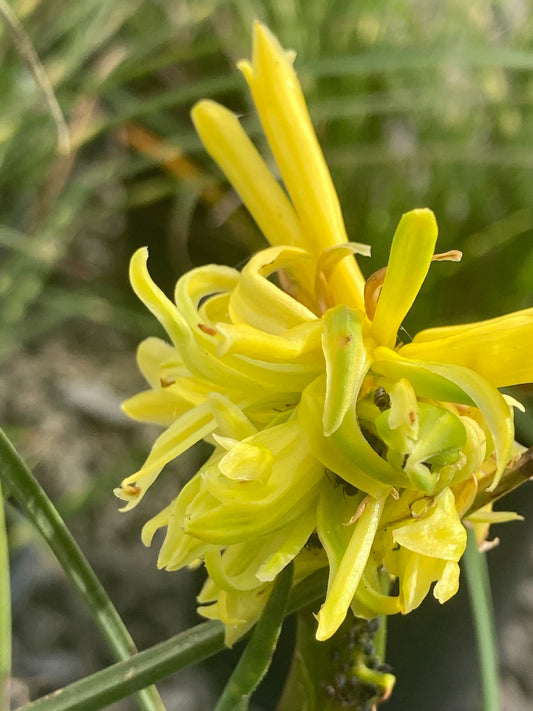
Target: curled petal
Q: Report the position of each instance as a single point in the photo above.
(158, 406)
(448, 584)
(326, 265)
(350, 468)
(258, 302)
(438, 534)
(231, 420)
(159, 361)
(188, 429)
(301, 342)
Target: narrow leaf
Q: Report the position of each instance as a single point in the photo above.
(25, 488)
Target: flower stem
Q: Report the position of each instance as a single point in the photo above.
(341, 673)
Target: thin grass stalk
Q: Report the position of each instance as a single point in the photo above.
(482, 611)
(149, 666)
(5, 614)
(128, 676)
(21, 483)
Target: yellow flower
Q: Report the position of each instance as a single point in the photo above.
(333, 443)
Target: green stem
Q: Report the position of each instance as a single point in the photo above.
(483, 614)
(25, 488)
(5, 614)
(257, 656)
(342, 672)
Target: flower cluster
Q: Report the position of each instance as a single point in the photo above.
(333, 443)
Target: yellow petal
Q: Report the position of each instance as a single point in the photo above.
(283, 112)
(258, 302)
(438, 534)
(197, 346)
(425, 382)
(296, 343)
(417, 574)
(197, 359)
(227, 143)
(373, 602)
(230, 419)
(448, 585)
(410, 257)
(351, 568)
(156, 358)
(158, 406)
(188, 429)
(360, 472)
(346, 363)
(499, 349)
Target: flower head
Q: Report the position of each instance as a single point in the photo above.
(324, 426)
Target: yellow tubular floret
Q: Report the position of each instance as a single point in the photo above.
(351, 569)
(283, 112)
(227, 143)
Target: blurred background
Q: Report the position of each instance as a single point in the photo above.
(416, 103)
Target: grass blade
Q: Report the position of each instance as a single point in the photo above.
(27, 51)
(21, 483)
(124, 678)
(5, 614)
(151, 665)
(481, 605)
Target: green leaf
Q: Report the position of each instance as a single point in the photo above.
(257, 656)
(25, 488)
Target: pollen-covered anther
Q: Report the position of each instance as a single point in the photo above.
(207, 329)
(375, 281)
(131, 490)
(372, 291)
(359, 512)
(452, 255)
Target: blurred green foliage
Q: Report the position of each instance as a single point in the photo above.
(415, 104)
